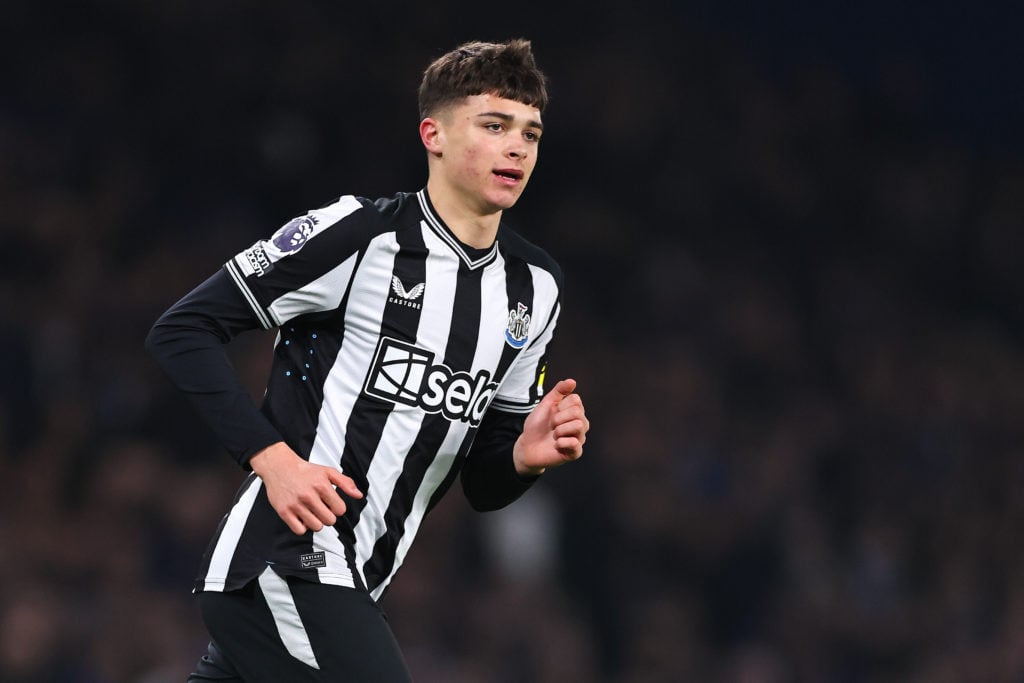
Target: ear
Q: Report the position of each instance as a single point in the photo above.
(432, 135)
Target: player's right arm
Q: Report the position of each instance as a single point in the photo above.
(188, 341)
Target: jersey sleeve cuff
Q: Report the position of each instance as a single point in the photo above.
(515, 407)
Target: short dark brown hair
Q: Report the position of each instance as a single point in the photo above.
(507, 70)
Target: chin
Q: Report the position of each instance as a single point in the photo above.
(503, 201)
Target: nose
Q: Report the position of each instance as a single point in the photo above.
(516, 150)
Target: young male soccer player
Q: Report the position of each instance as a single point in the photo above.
(412, 334)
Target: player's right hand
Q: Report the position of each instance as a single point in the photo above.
(302, 493)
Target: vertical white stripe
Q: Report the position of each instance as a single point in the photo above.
(545, 295)
(442, 277)
(286, 618)
(227, 542)
(493, 317)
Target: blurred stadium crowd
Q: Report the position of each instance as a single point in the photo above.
(793, 308)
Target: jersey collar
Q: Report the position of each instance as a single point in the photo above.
(448, 237)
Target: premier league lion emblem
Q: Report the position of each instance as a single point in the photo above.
(294, 234)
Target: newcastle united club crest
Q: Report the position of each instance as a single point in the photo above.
(518, 327)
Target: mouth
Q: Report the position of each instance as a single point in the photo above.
(509, 175)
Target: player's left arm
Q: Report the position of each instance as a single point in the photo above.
(489, 478)
(526, 431)
(510, 453)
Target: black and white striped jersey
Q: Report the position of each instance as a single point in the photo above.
(395, 341)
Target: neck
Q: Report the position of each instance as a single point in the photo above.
(473, 226)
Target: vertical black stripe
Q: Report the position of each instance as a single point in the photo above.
(519, 289)
(453, 471)
(369, 415)
(303, 359)
(459, 352)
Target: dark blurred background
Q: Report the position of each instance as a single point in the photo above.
(791, 233)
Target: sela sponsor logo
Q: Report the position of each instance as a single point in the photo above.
(295, 233)
(406, 374)
(258, 260)
(402, 297)
(313, 560)
(518, 326)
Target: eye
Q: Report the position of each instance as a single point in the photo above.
(494, 127)
(532, 136)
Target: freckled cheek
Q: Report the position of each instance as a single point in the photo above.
(471, 166)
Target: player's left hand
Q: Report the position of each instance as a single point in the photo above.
(554, 433)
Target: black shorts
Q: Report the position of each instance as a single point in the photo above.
(278, 630)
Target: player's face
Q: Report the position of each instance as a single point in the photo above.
(489, 149)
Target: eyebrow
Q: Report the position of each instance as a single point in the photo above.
(508, 118)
